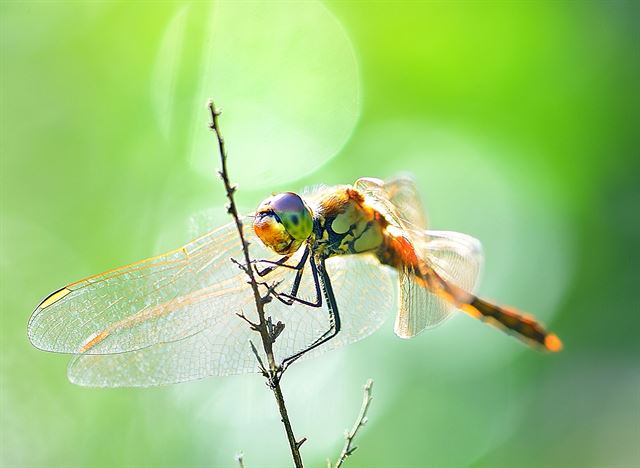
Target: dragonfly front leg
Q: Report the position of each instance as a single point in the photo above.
(292, 296)
(274, 265)
(280, 263)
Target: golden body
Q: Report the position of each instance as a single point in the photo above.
(346, 224)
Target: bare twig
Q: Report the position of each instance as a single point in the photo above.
(361, 420)
(240, 460)
(273, 373)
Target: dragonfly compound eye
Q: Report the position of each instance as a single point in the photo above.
(283, 222)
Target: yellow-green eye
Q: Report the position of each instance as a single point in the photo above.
(294, 214)
(283, 222)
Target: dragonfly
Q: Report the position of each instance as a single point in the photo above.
(337, 259)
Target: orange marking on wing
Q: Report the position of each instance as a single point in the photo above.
(94, 341)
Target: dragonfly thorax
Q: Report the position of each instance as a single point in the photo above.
(347, 224)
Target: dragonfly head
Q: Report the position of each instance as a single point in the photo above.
(283, 222)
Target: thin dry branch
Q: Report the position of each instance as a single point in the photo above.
(361, 420)
(272, 373)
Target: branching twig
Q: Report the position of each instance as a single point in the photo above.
(361, 420)
(263, 326)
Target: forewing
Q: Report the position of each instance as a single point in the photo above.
(456, 258)
(364, 292)
(165, 298)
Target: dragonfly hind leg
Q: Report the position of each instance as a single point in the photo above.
(322, 282)
(322, 286)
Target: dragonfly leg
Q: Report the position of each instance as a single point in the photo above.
(269, 269)
(292, 296)
(322, 282)
(280, 263)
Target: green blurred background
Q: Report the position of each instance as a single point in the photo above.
(519, 120)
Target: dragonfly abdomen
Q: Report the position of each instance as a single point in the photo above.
(399, 253)
(396, 251)
(525, 327)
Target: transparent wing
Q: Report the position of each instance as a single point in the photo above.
(404, 196)
(398, 199)
(364, 292)
(161, 299)
(456, 258)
